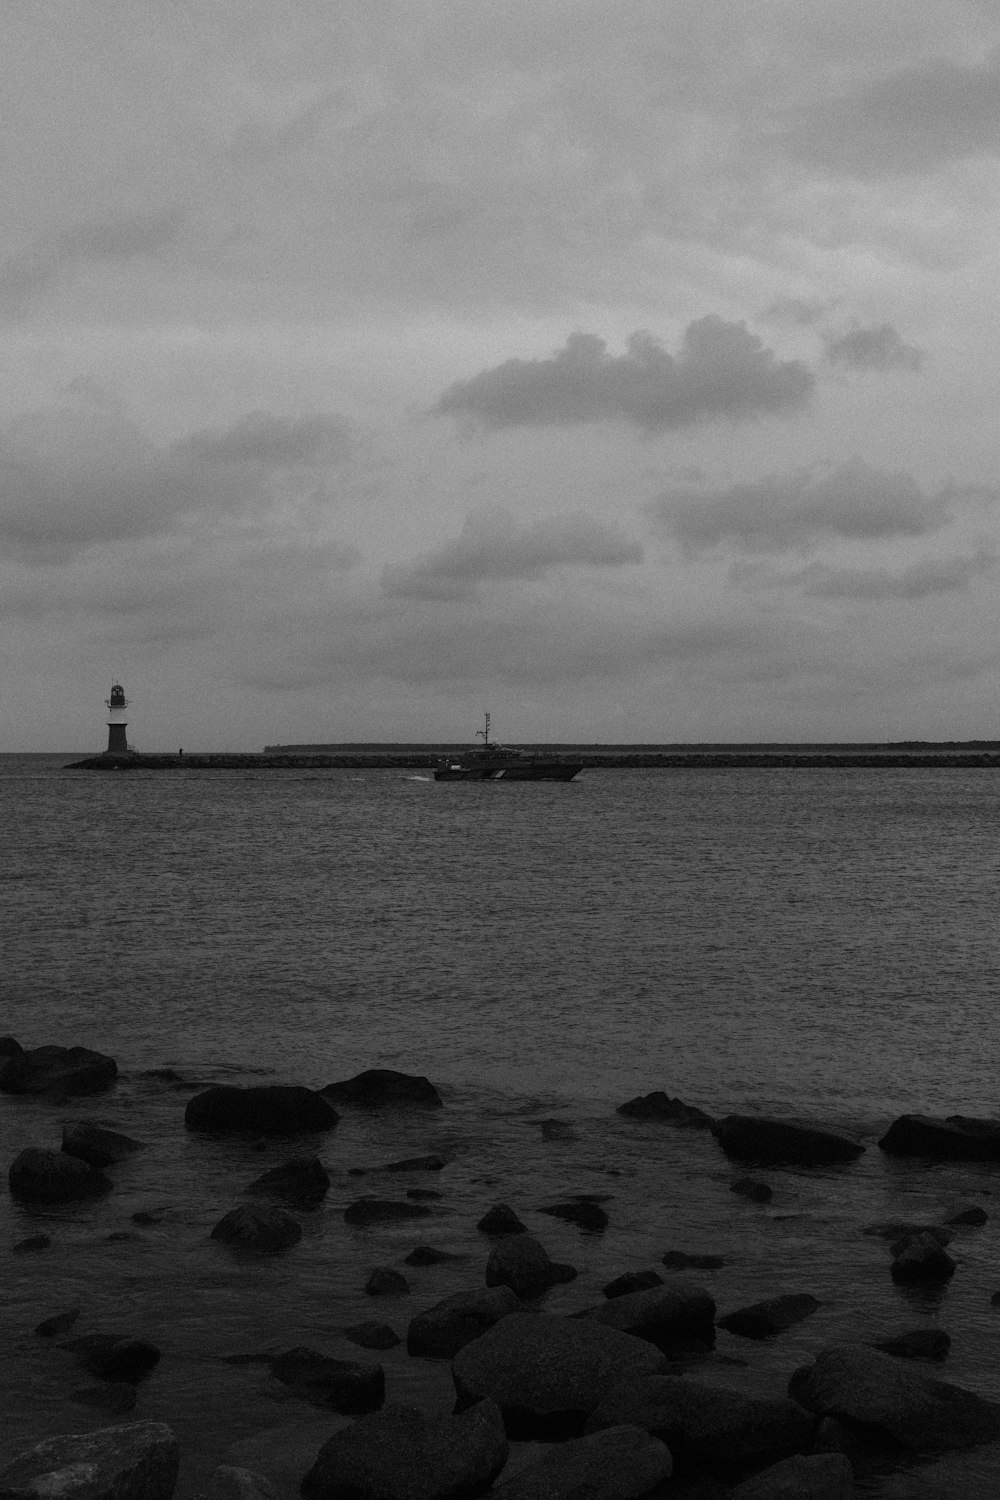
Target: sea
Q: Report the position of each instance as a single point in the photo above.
(820, 943)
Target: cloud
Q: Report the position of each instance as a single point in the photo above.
(722, 372)
(878, 347)
(493, 546)
(91, 242)
(920, 580)
(786, 512)
(798, 311)
(260, 438)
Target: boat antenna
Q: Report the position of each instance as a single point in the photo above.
(485, 733)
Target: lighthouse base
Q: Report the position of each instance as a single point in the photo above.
(117, 742)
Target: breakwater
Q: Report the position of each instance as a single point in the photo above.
(839, 757)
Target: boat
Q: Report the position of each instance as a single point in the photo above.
(495, 762)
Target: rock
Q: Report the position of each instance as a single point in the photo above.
(618, 1463)
(384, 1086)
(114, 1396)
(758, 1138)
(659, 1106)
(32, 1243)
(138, 1461)
(705, 1425)
(39, 1175)
(584, 1215)
(763, 1319)
(384, 1281)
(58, 1072)
(431, 1163)
(114, 1356)
(818, 1476)
(302, 1181)
(677, 1312)
(428, 1255)
(227, 1482)
(918, 1343)
(401, 1453)
(267, 1109)
(955, 1138)
(557, 1130)
(500, 1220)
(346, 1385)
(440, 1331)
(258, 1228)
(972, 1215)
(879, 1394)
(371, 1335)
(383, 1211)
(680, 1260)
(921, 1258)
(94, 1144)
(632, 1281)
(59, 1323)
(547, 1373)
(522, 1263)
(751, 1189)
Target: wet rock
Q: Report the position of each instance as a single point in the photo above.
(94, 1144)
(761, 1320)
(138, 1461)
(372, 1335)
(705, 1425)
(618, 1463)
(383, 1211)
(401, 1453)
(266, 1109)
(881, 1395)
(500, 1220)
(659, 1106)
(918, 1343)
(115, 1396)
(58, 1324)
(921, 1258)
(440, 1331)
(378, 1087)
(346, 1385)
(302, 1181)
(677, 1312)
(39, 1175)
(759, 1138)
(58, 1072)
(548, 1373)
(632, 1281)
(752, 1189)
(585, 1215)
(384, 1281)
(955, 1138)
(114, 1356)
(973, 1215)
(817, 1476)
(32, 1243)
(228, 1482)
(522, 1263)
(429, 1255)
(680, 1260)
(257, 1228)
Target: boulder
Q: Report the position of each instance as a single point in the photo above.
(619, 1463)
(708, 1426)
(955, 1138)
(500, 1220)
(659, 1106)
(401, 1453)
(440, 1331)
(377, 1087)
(265, 1109)
(584, 1214)
(547, 1373)
(346, 1385)
(817, 1476)
(383, 1211)
(765, 1139)
(386, 1281)
(113, 1396)
(679, 1311)
(763, 1319)
(918, 1343)
(921, 1258)
(138, 1461)
(58, 1072)
(632, 1281)
(114, 1356)
(40, 1175)
(94, 1144)
(751, 1189)
(372, 1335)
(302, 1181)
(258, 1228)
(522, 1263)
(887, 1397)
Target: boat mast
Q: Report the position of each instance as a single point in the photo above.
(485, 733)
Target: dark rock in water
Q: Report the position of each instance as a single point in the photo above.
(898, 1231)
(918, 1343)
(383, 1086)
(763, 1319)
(632, 1281)
(500, 1220)
(58, 1072)
(955, 1138)
(372, 1335)
(346, 1385)
(266, 1109)
(59, 1323)
(756, 1138)
(136, 1461)
(43, 1176)
(257, 1228)
(520, 1262)
(548, 1373)
(721, 1429)
(427, 1255)
(32, 1243)
(680, 1260)
(302, 1181)
(584, 1215)
(678, 1312)
(813, 1476)
(113, 1356)
(401, 1453)
(995, 1300)
(431, 1163)
(386, 1282)
(424, 1194)
(618, 1463)
(116, 1396)
(659, 1106)
(973, 1215)
(94, 1144)
(383, 1211)
(752, 1190)
(557, 1130)
(921, 1258)
(440, 1331)
(880, 1395)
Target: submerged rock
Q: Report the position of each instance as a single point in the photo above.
(378, 1087)
(138, 1461)
(918, 1343)
(522, 1263)
(678, 1311)
(659, 1106)
(618, 1463)
(383, 1211)
(257, 1228)
(266, 1109)
(43, 1176)
(372, 1335)
(763, 1319)
(58, 1072)
(94, 1144)
(114, 1356)
(921, 1258)
(816, 1476)
(753, 1190)
(955, 1138)
(58, 1323)
(386, 1281)
(348, 1386)
(500, 1220)
(302, 1181)
(429, 1255)
(440, 1331)
(760, 1138)
(679, 1260)
(578, 1211)
(632, 1281)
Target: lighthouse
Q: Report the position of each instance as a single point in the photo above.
(117, 723)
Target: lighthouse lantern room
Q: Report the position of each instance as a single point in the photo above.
(117, 723)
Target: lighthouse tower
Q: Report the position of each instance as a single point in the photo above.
(117, 723)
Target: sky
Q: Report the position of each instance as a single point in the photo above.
(626, 369)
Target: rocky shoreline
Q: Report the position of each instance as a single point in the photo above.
(611, 1389)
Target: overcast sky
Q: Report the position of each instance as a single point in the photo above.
(626, 368)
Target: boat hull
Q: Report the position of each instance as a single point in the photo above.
(555, 771)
